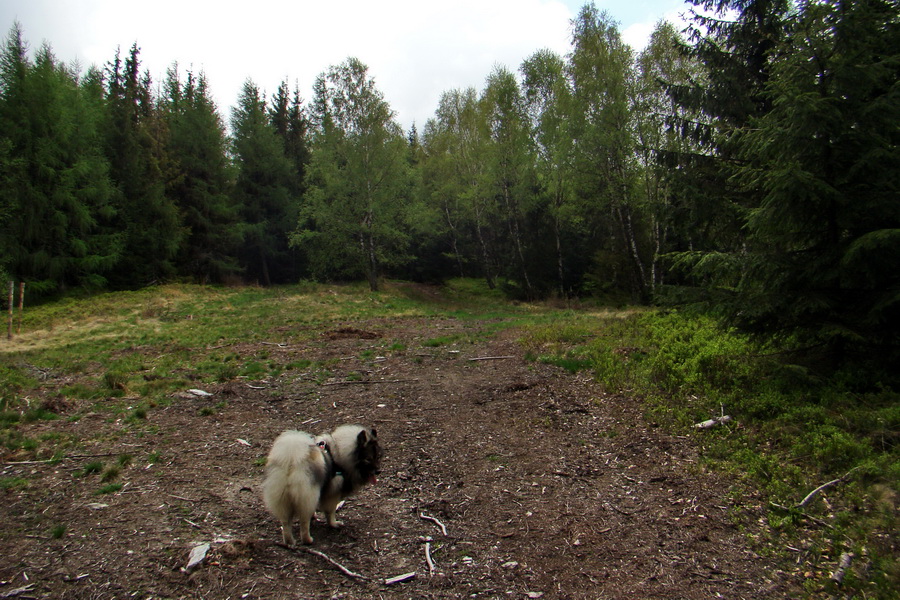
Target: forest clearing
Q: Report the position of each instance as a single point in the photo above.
(506, 474)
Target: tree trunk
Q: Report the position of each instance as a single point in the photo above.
(513, 223)
(485, 253)
(367, 242)
(264, 268)
(454, 240)
(638, 275)
(560, 270)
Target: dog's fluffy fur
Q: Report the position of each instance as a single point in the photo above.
(356, 455)
(304, 474)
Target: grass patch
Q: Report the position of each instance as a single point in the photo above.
(12, 483)
(109, 488)
(440, 341)
(38, 414)
(91, 468)
(111, 474)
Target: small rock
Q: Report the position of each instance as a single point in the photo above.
(198, 553)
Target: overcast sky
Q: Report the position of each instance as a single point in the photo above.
(415, 49)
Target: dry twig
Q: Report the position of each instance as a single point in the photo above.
(811, 496)
(843, 565)
(18, 591)
(400, 578)
(433, 520)
(428, 558)
(340, 567)
(369, 381)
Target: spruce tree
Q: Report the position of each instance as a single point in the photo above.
(824, 162)
(199, 180)
(58, 194)
(148, 219)
(262, 191)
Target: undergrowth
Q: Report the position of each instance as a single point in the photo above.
(790, 431)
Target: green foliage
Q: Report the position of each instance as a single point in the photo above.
(147, 219)
(804, 99)
(265, 180)
(199, 179)
(38, 414)
(57, 193)
(352, 221)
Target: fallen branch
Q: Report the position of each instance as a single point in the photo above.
(400, 578)
(490, 358)
(340, 567)
(713, 422)
(843, 565)
(433, 520)
(17, 591)
(368, 381)
(428, 558)
(810, 496)
(58, 459)
(805, 515)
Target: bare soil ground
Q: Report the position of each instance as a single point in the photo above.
(548, 487)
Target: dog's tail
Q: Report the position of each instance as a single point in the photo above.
(295, 471)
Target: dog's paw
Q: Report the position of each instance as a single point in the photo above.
(288, 538)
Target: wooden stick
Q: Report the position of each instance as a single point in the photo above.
(12, 298)
(713, 422)
(21, 306)
(428, 558)
(18, 591)
(490, 358)
(843, 565)
(368, 381)
(433, 520)
(341, 567)
(400, 578)
(810, 496)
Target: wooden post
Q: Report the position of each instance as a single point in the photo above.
(12, 298)
(21, 306)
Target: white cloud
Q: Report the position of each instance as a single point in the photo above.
(415, 50)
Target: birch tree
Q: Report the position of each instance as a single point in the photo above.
(354, 211)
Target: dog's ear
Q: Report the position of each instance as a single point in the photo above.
(374, 432)
(361, 438)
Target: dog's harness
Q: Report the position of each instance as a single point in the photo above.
(334, 469)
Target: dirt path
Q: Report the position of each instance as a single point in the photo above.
(547, 486)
